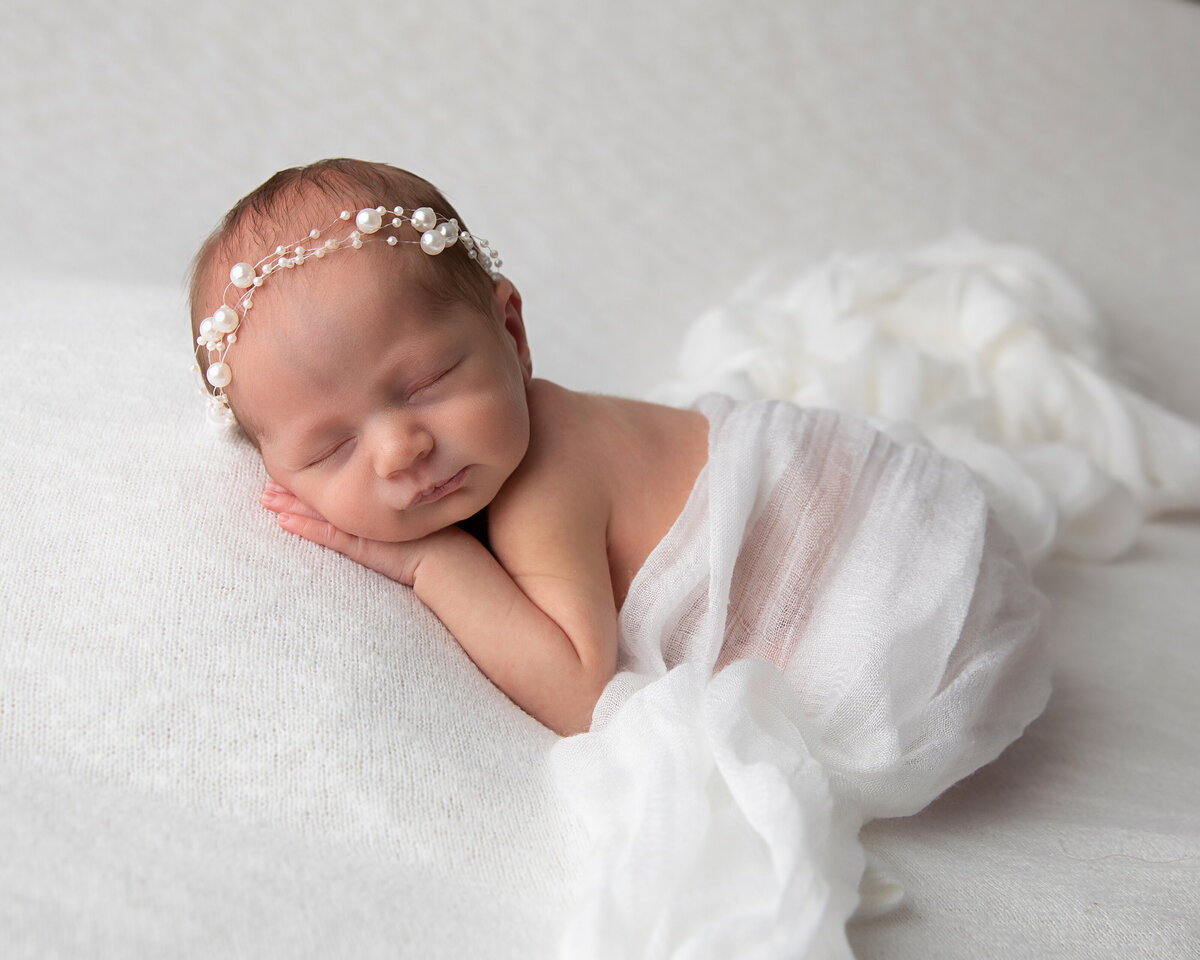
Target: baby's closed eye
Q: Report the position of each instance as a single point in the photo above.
(426, 383)
(330, 453)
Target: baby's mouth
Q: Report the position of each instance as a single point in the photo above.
(439, 490)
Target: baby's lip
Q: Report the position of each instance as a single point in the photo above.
(436, 491)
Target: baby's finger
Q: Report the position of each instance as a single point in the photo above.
(319, 531)
(390, 559)
(280, 500)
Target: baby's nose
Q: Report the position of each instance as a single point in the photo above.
(397, 445)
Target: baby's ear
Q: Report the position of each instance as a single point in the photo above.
(507, 305)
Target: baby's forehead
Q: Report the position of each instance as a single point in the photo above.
(289, 221)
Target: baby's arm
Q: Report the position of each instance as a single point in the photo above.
(542, 627)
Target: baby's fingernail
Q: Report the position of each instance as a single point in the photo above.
(267, 496)
(283, 519)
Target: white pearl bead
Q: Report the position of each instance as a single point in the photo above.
(449, 230)
(225, 319)
(219, 374)
(432, 242)
(218, 413)
(206, 329)
(241, 275)
(344, 215)
(424, 219)
(392, 241)
(368, 221)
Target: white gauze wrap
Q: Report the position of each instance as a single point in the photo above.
(987, 351)
(837, 627)
(875, 637)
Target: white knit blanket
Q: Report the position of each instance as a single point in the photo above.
(879, 626)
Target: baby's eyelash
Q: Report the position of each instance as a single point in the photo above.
(317, 461)
(429, 382)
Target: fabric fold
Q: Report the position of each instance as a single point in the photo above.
(987, 351)
(841, 623)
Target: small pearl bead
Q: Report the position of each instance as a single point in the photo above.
(392, 241)
(424, 219)
(241, 275)
(344, 215)
(449, 230)
(368, 221)
(206, 328)
(219, 374)
(224, 320)
(432, 242)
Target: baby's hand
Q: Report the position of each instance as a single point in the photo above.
(396, 560)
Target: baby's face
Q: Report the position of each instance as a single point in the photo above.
(391, 415)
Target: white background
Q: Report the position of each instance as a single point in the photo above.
(633, 162)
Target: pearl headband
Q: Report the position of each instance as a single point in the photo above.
(219, 331)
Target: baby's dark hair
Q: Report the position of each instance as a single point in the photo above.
(279, 210)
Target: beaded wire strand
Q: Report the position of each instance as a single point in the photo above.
(217, 333)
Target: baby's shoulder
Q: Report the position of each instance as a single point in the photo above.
(562, 478)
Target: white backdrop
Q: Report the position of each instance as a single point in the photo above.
(632, 161)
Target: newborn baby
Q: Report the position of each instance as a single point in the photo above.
(389, 390)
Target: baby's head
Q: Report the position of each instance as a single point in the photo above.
(363, 340)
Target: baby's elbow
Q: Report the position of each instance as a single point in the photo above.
(577, 708)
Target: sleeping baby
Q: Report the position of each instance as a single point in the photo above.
(562, 537)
